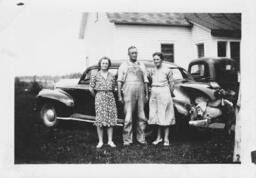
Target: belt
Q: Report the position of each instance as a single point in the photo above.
(104, 90)
(127, 81)
(159, 85)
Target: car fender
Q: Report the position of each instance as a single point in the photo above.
(203, 88)
(181, 108)
(57, 95)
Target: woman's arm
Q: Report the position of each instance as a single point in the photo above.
(92, 85)
(114, 83)
(92, 91)
(170, 81)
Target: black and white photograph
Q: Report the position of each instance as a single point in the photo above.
(145, 89)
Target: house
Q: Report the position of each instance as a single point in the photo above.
(181, 37)
(216, 34)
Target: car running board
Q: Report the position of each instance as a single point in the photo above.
(86, 118)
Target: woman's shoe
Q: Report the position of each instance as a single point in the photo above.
(100, 144)
(157, 141)
(111, 144)
(166, 143)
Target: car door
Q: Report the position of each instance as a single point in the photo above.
(84, 101)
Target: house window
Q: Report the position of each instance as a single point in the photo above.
(222, 48)
(235, 52)
(168, 52)
(200, 50)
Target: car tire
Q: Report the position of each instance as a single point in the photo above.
(48, 115)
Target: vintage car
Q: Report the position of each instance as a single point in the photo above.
(223, 71)
(71, 100)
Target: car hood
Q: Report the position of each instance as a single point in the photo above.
(66, 83)
(196, 84)
(203, 87)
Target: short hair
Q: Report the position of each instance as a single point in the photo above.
(131, 47)
(158, 54)
(104, 58)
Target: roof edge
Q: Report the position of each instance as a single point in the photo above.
(226, 33)
(151, 24)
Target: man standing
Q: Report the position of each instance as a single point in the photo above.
(132, 79)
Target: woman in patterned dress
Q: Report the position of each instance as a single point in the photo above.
(161, 111)
(103, 83)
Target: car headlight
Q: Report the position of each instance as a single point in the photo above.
(214, 85)
(68, 102)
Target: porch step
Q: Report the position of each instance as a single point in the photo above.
(86, 118)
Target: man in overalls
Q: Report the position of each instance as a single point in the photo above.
(132, 79)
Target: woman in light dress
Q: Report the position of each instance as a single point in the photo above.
(102, 86)
(161, 111)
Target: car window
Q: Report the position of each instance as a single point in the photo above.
(197, 70)
(186, 74)
(85, 79)
(177, 75)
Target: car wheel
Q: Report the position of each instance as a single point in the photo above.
(48, 115)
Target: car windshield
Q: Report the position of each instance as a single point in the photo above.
(179, 74)
(86, 76)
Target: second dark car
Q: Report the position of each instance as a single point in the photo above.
(223, 71)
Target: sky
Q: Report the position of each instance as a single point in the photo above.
(42, 38)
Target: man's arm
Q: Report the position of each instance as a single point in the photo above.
(120, 81)
(119, 90)
(146, 91)
(145, 73)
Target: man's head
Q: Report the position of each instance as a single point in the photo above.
(133, 53)
(158, 59)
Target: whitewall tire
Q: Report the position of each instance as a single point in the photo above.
(48, 115)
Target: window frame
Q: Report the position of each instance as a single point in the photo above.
(198, 50)
(218, 48)
(171, 54)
